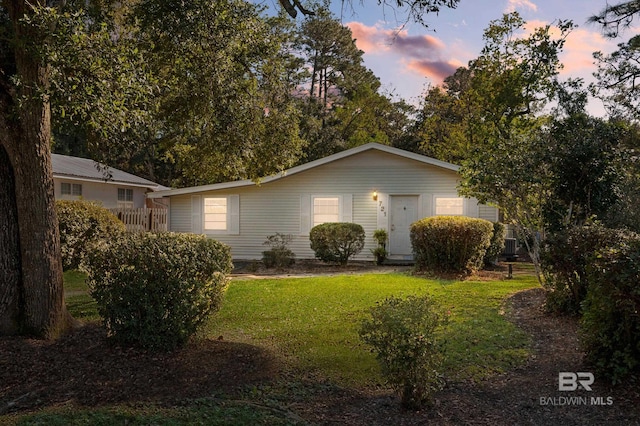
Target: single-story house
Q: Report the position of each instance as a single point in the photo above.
(81, 178)
(376, 186)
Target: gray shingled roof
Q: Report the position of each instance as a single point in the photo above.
(86, 169)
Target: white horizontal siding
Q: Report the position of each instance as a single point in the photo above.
(180, 214)
(275, 206)
(489, 213)
(104, 193)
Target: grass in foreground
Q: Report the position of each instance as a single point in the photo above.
(313, 322)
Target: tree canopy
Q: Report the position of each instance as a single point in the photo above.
(508, 86)
(617, 17)
(203, 88)
(415, 9)
(190, 93)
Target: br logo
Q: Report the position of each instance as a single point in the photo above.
(568, 381)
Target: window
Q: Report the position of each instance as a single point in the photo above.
(125, 198)
(218, 215)
(449, 206)
(215, 214)
(326, 209)
(71, 189)
(318, 209)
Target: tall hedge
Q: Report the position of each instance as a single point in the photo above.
(565, 258)
(83, 223)
(155, 290)
(450, 244)
(610, 325)
(336, 241)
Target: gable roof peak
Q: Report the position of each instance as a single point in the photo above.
(310, 165)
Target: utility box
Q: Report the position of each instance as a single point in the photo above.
(510, 247)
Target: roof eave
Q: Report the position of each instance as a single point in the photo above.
(105, 181)
(308, 166)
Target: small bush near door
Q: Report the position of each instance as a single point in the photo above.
(450, 244)
(155, 290)
(336, 242)
(279, 255)
(380, 252)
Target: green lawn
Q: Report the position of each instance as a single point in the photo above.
(79, 303)
(313, 322)
(75, 281)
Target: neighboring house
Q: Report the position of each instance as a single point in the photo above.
(80, 178)
(374, 185)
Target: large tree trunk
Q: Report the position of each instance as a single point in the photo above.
(26, 125)
(10, 276)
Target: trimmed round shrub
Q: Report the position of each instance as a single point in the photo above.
(610, 326)
(155, 290)
(403, 333)
(496, 247)
(564, 259)
(82, 224)
(450, 244)
(336, 242)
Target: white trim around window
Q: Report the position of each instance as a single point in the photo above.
(219, 214)
(322, 208)
(448, 205)
(326, 208)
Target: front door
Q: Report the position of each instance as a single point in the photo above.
(404, 211)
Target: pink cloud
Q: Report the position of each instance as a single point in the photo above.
(425, 55)
(437, 71)
(375, 40)
(418, 45)
(368, 39)
(579, 48)
(577, 54)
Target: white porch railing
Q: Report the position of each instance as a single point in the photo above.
(143, 219)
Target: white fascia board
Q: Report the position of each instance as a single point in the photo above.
(308, 166)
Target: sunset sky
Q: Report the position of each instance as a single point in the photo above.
(409, 58)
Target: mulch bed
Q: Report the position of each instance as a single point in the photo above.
(309, 267)
(83, 369)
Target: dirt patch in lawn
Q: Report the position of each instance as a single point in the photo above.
(83, 370)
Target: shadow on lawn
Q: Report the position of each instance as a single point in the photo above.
(83, 368)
